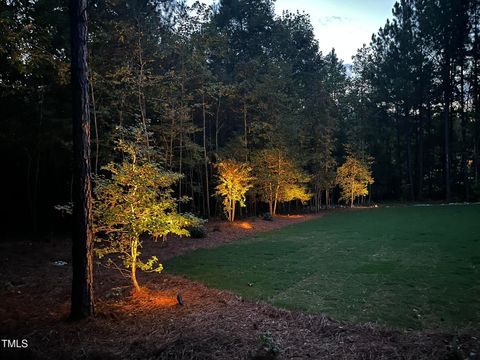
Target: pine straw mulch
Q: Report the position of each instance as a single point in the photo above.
(212, 324)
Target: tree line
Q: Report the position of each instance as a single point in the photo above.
(233, 83)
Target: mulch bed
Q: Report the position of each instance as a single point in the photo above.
(212, 324)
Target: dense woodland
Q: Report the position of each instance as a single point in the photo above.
(236, 82)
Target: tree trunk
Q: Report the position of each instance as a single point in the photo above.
(446, 124)
(134, 253)
(420, 157)
(35, 195)
(217, 128)
(205, 158)
(141, 91)
(476, 93)
(192, 192)
(245, 129)
(180, 164)
(94, 108)
(410, 167)
(82, 235)
(275, 201)
(464, 167)
(352, 197)
(37, 167)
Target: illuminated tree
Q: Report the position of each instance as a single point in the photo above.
(136, 200)
(353, 177)
(278, 179)
(234, 180)
(291, 192)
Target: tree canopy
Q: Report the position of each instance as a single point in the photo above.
(353, 177)
(136, 199)
(235, 81)
(234, 180)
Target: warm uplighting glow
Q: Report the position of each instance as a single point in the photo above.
(153, 299)
(290, 216)
(244, 225)
(163, 301)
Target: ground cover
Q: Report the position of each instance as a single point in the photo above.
(407, 267)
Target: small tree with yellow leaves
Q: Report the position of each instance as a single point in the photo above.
(353, 177)
(292, 192)
(136, 199)
(279, 179)
(234, 180)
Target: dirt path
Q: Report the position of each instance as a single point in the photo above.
(212, 324)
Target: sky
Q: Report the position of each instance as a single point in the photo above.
(341, 24)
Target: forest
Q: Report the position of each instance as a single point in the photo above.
(192, 181)
(233, 83)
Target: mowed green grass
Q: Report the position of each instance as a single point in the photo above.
(405, 267)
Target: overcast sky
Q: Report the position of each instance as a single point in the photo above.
(343, 24)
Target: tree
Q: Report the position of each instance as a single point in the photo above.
(353, 177)
(234, 79)
(82, 236)
(278, 179)
(136, 200)
(234, 180)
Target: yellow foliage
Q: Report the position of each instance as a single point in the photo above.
(234, 180)
(353, 177)
(279, 179)
(295, 192)
(135, 199)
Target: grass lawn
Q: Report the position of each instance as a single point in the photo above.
(406, 267)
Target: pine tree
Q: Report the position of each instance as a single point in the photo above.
(82, 237)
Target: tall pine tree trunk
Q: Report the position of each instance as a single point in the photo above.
(476, 93)
(464, 167)
(446, 124)
(205, 158)
(95, 125)
(217, 128)
(245, 130)
(82, 235)
(410, 164)
(420, 156)
(141, 89)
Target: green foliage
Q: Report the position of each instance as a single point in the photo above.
(233, 80)
(267, 216)
(279, 179)
(269, 345)
(234, 180)
(353, 177)
(136, 199)
(198, 232)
